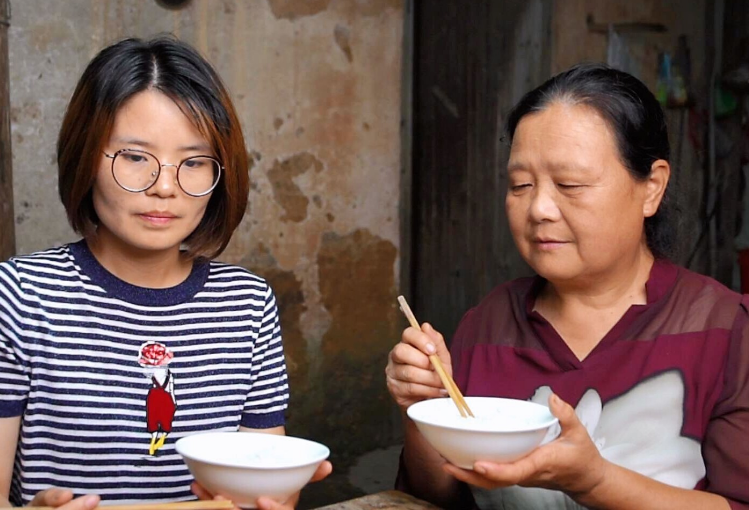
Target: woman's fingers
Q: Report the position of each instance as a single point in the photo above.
(269, 504)
(323, 470)
(409, 372)
(410, 377)
(63, 498)
(570, 463)
(88, 502)
(437, 340)
(407, 354)
(414, 391)
(52, 497)
(471, 477)
(427, 340)
(491, 475)
(200, 491)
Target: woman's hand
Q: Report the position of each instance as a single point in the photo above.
(63, 499)
(410, 376)
(264, 503)
(571, 463)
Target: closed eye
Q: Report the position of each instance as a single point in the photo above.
(571, 186)
(519, 187)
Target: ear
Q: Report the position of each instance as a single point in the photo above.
(655, 187)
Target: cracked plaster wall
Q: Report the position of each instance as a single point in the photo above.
(317, 87)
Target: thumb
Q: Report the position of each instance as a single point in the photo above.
(563, 412)
(438, 340)
(265, 503)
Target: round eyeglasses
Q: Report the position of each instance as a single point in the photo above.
(136, 170)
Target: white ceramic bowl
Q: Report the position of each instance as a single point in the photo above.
(503, 430)
(243, 466)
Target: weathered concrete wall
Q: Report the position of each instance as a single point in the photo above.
(573, 42)
(317, 87)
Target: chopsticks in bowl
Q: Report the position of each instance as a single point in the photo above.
(447, 381)
(214, 504)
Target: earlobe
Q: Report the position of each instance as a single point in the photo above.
(660, 172)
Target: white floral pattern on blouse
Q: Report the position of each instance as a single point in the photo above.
(639, 430)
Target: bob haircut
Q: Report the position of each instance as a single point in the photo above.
(175, 69)
(634, 116)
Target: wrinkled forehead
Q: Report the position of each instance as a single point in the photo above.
(562, 134)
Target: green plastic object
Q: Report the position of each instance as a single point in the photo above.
(725, 102)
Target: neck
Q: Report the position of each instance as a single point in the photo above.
(624, 284)
(156, 269)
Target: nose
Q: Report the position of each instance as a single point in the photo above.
(544, 206)
(166, 184)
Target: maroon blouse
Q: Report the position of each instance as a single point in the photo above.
(665, 393)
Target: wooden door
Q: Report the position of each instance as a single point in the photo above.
(7, 230)
(472, 61)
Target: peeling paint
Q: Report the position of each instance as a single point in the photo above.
(285, 191)
(342, 36)
(357, 287)
(293, 9)
(27, 111)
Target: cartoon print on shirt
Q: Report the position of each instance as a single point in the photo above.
(639, 430)
(160, 401)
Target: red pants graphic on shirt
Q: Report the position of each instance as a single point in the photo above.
(160, 410)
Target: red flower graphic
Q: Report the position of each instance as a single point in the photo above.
(154, 354)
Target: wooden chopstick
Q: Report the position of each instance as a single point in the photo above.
(213, 504)
(447, 381)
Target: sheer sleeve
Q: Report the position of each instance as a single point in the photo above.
(726, 445)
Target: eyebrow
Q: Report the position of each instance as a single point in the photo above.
(511, 167)
(142, 143)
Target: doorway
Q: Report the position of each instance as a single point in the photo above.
(472, 62)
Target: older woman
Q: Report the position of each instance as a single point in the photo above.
(645, 363)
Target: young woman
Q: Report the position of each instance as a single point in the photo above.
(644, 363)
(115, 346)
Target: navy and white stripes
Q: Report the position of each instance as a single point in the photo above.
(71, 335)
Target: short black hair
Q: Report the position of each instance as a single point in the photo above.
(635, 117)
(174, 68)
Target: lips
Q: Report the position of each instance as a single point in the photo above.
(158, 214)
(157, 218)
(548, 243)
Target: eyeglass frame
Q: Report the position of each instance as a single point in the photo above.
(113, 157)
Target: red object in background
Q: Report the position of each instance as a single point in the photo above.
(744, 268)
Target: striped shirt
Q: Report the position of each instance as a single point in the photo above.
(106, 376)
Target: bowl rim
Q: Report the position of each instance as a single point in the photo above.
(544, 425)
(325, 453)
